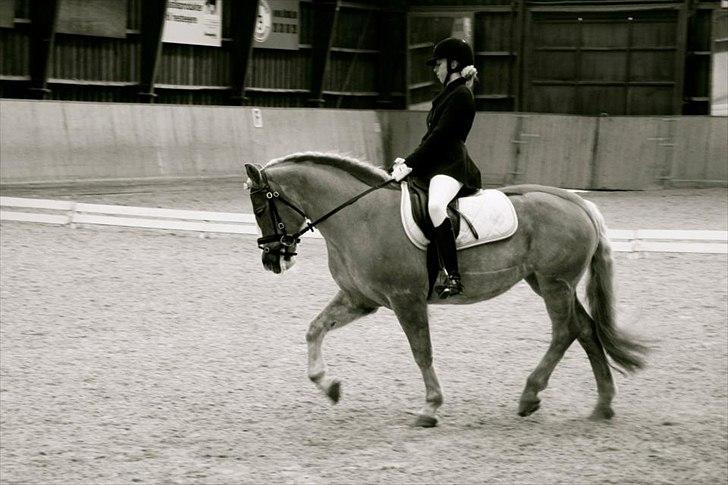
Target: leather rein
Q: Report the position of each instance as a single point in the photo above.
(264, 198)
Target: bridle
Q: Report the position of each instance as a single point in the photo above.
(264, 200)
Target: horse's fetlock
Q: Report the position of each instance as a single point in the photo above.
(312, 335)
(434, 397)
(534, 382)
(316, 377)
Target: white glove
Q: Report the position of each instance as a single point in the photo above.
(400, 171)
(398, 161)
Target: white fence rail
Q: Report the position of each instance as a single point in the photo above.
(75, 213)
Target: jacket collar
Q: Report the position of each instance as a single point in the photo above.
(447, 90)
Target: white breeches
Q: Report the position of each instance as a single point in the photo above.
(443, 189)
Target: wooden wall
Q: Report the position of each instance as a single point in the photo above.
(583, 152)
(639, 57)
(50, 141)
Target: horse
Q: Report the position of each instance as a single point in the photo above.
(559, 236)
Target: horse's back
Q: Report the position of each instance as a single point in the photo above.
(558, 224)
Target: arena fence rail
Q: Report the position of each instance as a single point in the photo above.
(73, 214)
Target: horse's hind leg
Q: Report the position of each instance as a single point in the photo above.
(414, 321)
(340, 311)
(595, 351)
(559, 298)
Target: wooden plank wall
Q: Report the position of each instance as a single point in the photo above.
(555, 150)
(533, 56)
(581, 152)
(630, 155)
(46, 141)
(700, 152)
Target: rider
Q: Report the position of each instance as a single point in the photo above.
(442, 161)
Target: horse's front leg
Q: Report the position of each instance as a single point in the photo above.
(413, 318)
(341, 310)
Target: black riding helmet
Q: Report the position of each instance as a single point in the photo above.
(452, 49)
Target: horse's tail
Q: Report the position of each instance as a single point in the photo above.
(626, 352)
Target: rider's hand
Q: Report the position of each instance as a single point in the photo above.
(400, 171)
(398, 161)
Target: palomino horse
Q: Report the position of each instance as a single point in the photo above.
(375, 265)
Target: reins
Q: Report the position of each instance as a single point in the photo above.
(283, 237)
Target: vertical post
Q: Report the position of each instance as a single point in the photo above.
(392, 49)
(578, 102)
(680, 58)
(244, 16)
(594, 169)
(43, 22)
(628, 67)
(325, 16)
(407, 61)
(524, 88)
(519, 50)
(516, 141)
(153, 16)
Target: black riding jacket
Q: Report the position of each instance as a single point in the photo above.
(442, 150)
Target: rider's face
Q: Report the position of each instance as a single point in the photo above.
(440, 69)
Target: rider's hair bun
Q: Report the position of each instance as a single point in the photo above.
(469, 72)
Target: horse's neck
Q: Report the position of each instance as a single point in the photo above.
(317, 190)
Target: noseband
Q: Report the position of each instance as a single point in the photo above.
(264, 200)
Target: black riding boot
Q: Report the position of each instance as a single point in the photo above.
(444, 239)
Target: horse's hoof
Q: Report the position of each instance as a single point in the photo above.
(334, 391)
(526, 408)
(601, 413)
(423, 421)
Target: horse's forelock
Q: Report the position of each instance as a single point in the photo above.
(363, 171)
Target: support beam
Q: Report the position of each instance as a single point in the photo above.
(244, 16)
(153, 16)
(519, 47)
(391, 76)
(325, 16)
(678, 103)
(43, 23)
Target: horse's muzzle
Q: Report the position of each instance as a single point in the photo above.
(277, 259)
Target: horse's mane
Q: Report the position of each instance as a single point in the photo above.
(369, 174)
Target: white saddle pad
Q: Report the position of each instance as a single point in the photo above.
(490, 211)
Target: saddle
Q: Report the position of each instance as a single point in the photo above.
(483, 217)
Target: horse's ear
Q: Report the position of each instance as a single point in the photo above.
(253, 174)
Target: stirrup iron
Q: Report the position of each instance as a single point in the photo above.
(453, 286)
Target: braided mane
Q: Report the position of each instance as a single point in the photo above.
(369, 174)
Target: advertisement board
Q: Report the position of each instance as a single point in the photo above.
(278, 25)
(197, 22)
(7, 13)
(99, 18)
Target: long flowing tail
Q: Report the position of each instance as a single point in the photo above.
(625, 351)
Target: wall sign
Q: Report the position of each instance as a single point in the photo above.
(7, 13)
(257, 117)
(278, 24)
(197, 22)
(100, 18)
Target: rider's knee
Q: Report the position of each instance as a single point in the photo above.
(437, 211)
